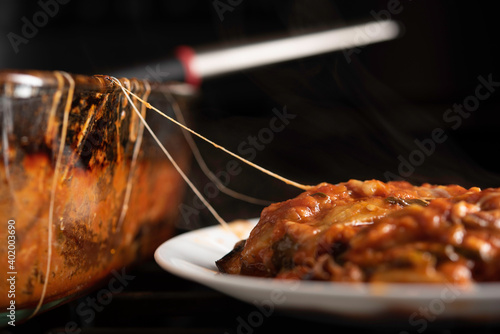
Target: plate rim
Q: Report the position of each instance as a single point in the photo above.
(381, 291)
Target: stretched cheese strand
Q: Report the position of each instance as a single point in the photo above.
(137, 147)
(268, 172)
(201, 162)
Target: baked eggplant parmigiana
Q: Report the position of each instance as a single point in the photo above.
(373, 231)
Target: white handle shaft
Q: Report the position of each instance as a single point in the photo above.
(238, 58)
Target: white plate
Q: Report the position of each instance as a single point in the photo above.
(192, 255)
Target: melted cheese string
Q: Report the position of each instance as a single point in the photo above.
(67, 108)
(135, 155)
(201, 162)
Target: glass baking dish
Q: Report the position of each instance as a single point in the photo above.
(84, 190)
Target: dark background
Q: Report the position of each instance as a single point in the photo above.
(353, 118)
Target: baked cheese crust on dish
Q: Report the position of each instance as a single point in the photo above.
(368, 231)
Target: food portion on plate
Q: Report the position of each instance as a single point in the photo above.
(371, 231)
